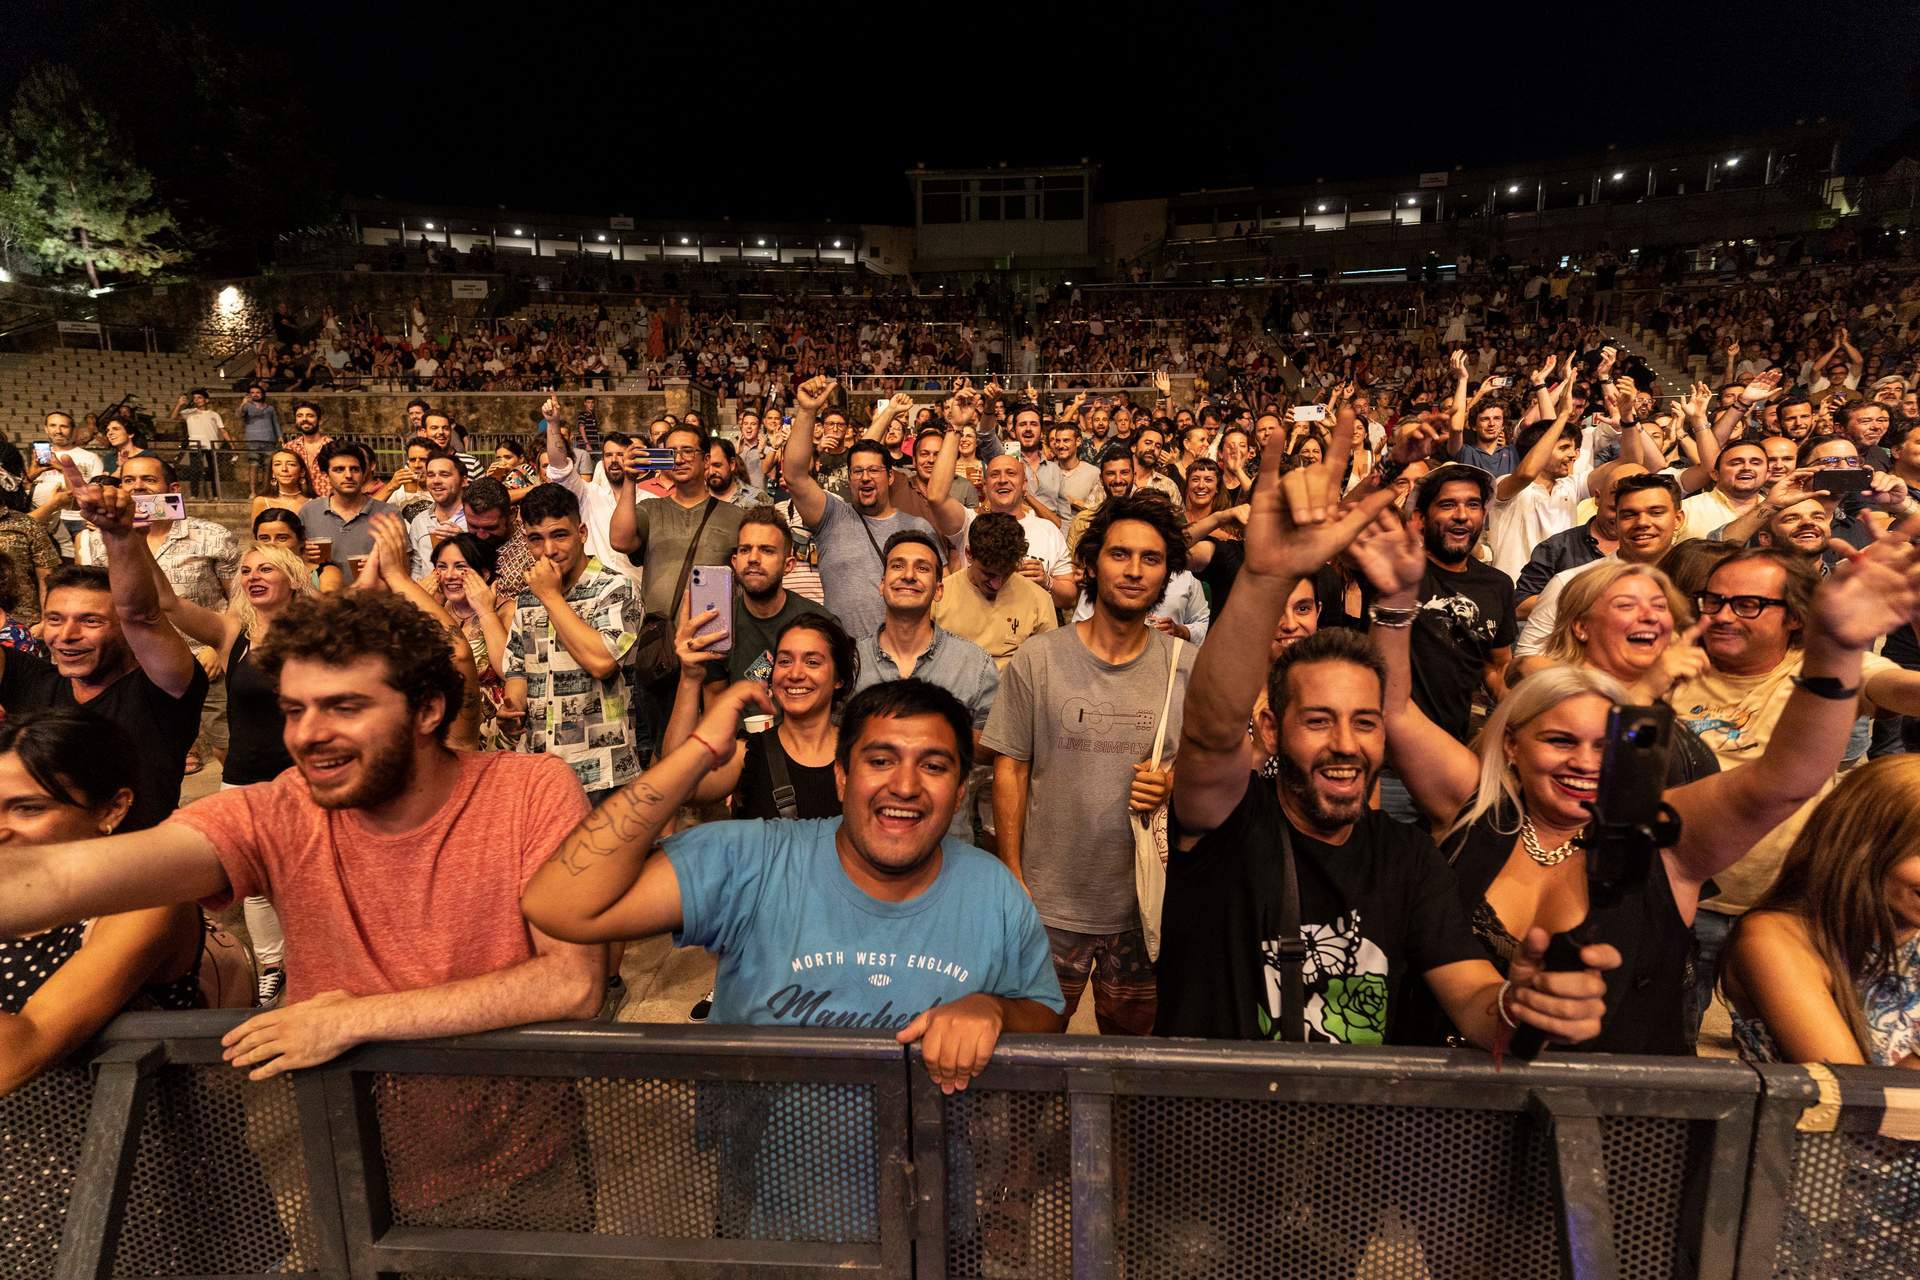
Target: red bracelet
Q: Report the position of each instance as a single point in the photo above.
(718, 759)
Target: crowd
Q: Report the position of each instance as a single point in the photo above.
(959, 695)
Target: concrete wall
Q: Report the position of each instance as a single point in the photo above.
(895, 245)
(487, 414)
(1128, 228)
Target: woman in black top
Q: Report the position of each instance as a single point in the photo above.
(63, 777)
(815, 666)
(1510, 810)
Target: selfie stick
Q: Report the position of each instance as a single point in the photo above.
(1618, 855)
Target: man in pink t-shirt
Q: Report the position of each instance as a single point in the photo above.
(396, 864)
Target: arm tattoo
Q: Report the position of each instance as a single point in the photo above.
(628, 821)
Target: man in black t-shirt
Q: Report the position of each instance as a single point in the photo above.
(1377, 904)
(1464, 635)
(115, 653)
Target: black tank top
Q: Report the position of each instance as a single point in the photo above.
(256, 747)
(815, 795)
(1646, 995)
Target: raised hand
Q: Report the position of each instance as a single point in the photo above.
(813, 394)
(479, 591)
(1545, 371)
(1457, 361)
(901, 403)
(107, 507)
(1683, 659)
(1760, 387)
(1298, 521)
(1390, 553)
(550, 409)
(1870, 592)
(691, 646)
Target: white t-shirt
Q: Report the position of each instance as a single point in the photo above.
(204, 426)
(1519, 524)
(1546, 608)
(1045, 543)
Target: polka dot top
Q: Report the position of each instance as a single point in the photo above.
(27, 963)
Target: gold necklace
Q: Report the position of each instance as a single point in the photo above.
(1545, 857)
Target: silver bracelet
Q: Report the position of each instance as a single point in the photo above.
(1500, 1003)
(1390, 617)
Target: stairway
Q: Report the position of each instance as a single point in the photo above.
(82, 382)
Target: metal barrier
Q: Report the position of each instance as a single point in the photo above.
(601, 1151)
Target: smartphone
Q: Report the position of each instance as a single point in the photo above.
(1633, 777)
(1498, 381)
(654, 460)
(710, 586)
(159, 506)
(1309, 413)
(1841, 481)
(43, 453)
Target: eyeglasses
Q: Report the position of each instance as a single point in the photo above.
(1709, 603)
(688, 452)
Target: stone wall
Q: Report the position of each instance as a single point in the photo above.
(486, 414)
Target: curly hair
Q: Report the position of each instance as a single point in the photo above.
(996, 542)
(1148, 508)
(335, 630)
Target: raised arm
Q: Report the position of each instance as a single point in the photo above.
(201, 624)
(1440, 772)
(159, 649)
(900, 403)
(1869, 594)
(796, 461)
(1529, 466)
(1296, 523)
(1457, 421)
(50, 884)
(695, 669)
(603, 884)
(949, 517)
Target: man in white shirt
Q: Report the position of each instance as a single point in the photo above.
(1542, 494)
(206, 431)
(599, 496)
(445, 482)
(46, 476)
(1739, 478)
(1066, 483)
(1047, 562)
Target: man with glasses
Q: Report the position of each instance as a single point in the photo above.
(1755, 606)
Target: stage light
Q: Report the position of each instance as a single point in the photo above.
(1619, 175)
(517, 231)
(1412, 200)
(683, 240)
(761, 243)
(603, 239)
(836, 244)
(1319, 208)
(1513, 189)
(229, 299)
(429, 226)
(1734, 162)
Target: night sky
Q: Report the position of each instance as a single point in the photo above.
(799, 110)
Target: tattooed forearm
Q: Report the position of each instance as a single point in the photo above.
(628, 822)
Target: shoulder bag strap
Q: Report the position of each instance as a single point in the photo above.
(1166, 703)
(686, 566)
(786, 801)
(871, 541)
(1293, 948)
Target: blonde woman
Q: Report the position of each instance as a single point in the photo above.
(1630, 621)
(270, 578)
(1826, 967)
(1512, 807)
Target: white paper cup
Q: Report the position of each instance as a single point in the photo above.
(758, 724)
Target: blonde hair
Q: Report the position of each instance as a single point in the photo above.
(1584, 592)
(1533, 697)
(252, 625)
(1833, 880)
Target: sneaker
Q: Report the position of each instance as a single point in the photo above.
(614, 1000)
(267, 992)
(702, 1009)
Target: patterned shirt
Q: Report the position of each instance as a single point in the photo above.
(586, 722)
(308, 448)
(196, 555)
(28, 549)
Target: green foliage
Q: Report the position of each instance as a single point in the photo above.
(80, 197)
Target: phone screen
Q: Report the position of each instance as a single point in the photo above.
(710, 586)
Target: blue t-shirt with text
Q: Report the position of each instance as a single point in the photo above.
(800, 945)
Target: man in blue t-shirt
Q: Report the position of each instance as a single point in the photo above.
(869, 920)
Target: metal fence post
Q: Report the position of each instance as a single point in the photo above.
(1587, 1249)
(99, 1205)
(1090, 1112)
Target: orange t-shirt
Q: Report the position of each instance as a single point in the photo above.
(368, 913)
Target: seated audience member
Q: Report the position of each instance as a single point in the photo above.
(1513, 809)
(1377, 903)
(281, 527)
(876, 891)
(64, 776)
(1826, 966)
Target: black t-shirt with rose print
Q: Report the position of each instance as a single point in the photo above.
(1376, 912)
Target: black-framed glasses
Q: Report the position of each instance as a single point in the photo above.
(1711, 602)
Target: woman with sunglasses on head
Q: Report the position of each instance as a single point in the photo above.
(1511, 809)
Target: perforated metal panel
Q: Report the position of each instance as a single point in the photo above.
(1251, 1190)
(648, 1157)
(1854, 1209)
(1009, 1190)
(1646, 1183)
(42, 1124)
(219, 1186)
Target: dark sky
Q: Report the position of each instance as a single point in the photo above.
(798, 110)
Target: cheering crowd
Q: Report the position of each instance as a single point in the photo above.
(1277, 715)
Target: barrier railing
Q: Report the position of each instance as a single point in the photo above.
(599, 1151)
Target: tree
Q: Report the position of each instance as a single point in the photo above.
(94, 204)
(20, 226)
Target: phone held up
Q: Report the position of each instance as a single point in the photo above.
(148, 507)
(710, 586)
